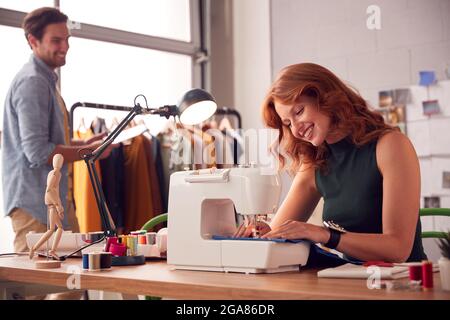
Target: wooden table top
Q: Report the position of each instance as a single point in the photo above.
(156, 278)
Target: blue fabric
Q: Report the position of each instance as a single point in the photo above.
(33, 125)
(320, 258)
(216, 237)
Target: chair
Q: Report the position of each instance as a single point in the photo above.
(426, 212)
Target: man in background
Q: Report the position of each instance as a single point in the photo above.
(36, 127)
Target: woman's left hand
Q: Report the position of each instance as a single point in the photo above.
(291, 229)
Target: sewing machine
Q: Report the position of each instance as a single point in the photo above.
(206, 204)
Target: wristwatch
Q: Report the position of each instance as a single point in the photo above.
(335, 234)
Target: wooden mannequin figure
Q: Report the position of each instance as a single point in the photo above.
(55, 208)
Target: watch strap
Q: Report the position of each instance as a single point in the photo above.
(335, 237)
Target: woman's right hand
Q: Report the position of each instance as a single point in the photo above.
(252, 230)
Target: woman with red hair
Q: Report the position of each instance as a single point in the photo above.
(366, 171)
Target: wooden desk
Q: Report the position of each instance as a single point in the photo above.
(159, 279)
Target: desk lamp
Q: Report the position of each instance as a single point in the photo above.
(195, 106)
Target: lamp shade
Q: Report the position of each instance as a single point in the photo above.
(196, 105)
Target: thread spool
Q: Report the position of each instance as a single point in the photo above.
(137, 232)
(94, 261)
(105, 260)
(132, 244)
(86, 261)
(142, 239)
(118, 249)
(109, 241)
(415, 272)
(151, 237)
(427, 274)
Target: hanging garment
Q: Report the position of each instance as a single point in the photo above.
(153, 177)
(223, 147)
(208, 148)
(113, 178)
(157, 159)
(138, 198)
(86, 206)
(167, 170)
(237, 143)
(112, 169)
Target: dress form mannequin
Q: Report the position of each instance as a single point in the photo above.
(55, 208)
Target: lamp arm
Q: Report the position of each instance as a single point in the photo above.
(91, 157)
(105, 216)
(137, 109)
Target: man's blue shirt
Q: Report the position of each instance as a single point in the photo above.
(33, 125)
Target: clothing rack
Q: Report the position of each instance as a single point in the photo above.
(219, 111)
(94, 106)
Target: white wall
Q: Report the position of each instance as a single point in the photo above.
(414, 35)
(432, 143)
(252, 69)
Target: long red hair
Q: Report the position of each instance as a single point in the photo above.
(347, 110)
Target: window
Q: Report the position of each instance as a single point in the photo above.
(165, 19)
(107, 73)
(12, 59)
(26, 5)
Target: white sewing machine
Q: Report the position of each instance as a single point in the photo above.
(202, 205)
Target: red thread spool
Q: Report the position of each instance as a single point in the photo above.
(427, 274)
(415, 272)
(118, 249)
(110, 241)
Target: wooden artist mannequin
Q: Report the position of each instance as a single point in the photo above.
(55, 208)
